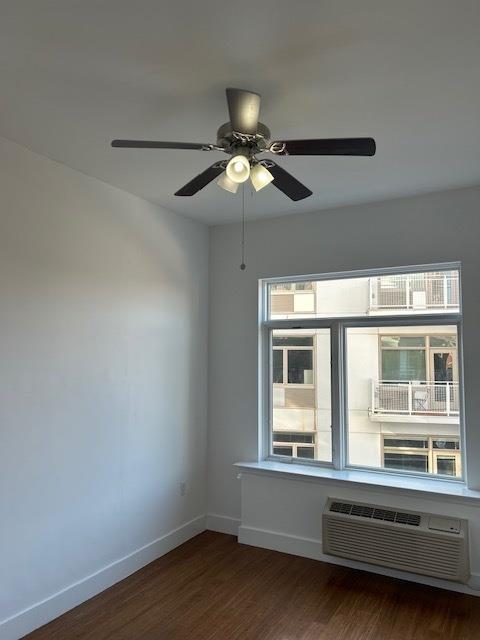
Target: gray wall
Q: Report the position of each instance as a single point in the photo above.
(103, 329)
(426, 229)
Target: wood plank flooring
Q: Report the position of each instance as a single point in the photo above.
(213, 588)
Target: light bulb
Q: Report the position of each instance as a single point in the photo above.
(238, 169)
(227, 184)
(260, 176)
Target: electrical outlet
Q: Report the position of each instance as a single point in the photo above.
(183, 488)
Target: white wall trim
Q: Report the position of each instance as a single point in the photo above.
(55, 605)
(312, 548)
(223, 524)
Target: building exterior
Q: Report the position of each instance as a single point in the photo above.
(403, 393)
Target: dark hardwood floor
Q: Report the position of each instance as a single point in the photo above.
(214, 588)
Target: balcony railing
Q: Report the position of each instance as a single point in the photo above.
(390, 397)
(415, 291)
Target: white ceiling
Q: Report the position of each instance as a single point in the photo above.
(76, 73)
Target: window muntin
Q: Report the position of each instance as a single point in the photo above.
(435, 363)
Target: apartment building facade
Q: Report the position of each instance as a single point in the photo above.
(403, 381)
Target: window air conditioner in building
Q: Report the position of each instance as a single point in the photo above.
(423, 543)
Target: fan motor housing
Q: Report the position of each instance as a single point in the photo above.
(231, 141)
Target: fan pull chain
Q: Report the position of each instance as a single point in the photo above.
(243, 266)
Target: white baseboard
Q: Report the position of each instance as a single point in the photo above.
(42, 612)
(310, 548)
(223, 524)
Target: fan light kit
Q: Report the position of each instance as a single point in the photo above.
(238, 169)
(243, 138)
(227, 184)
(260, 176)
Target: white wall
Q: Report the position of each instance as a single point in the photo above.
(425, 229)
(103, 365)
(285, 515)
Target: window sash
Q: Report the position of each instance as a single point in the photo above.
(339, 400)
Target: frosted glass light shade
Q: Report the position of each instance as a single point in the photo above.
(260, 177)
(238, 169)
(227, 184)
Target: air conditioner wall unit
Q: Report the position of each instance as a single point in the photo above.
(419, 299)
(423, 543)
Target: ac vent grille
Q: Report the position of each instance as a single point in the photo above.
(363, 511)
(416, 542)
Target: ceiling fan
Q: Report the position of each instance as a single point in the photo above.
(243, 139)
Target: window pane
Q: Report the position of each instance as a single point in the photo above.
(305, 452)
(403, 365)
(300, 412)
(403, 341)
(277, 366)
(293, 341)
(446, 444)
(443, 341)
(411, 444)
(293, 437)
(413, 293)
(398, 398)
(300, 366)
(405, 462)
(283, 451)
(446, 466)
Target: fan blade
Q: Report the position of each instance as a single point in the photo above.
(326, 147)
(244, 109)
(200, 181)
(152, 144)
(284, 181)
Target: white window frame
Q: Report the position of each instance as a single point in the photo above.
(338, 328)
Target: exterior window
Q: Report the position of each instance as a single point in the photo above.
(292, 359)
(406, 462)
(282, 451)
(430, 454)
(398, 294)
(300, 366)
(303, 444)
(278, 366)
(300, 416)
(412, 384)
(400, 364)
(389, 343)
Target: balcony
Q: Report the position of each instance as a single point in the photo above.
(414, 401)
(415, 292)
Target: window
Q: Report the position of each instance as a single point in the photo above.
(363, 371)
(299, 416)
(292, 359)
(302, 444)
(429, 454)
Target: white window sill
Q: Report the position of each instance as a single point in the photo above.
(422, 487)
